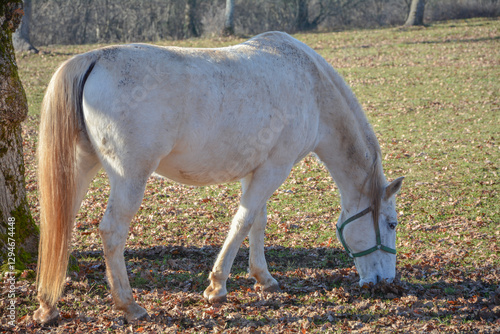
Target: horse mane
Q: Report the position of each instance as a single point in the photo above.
(376, 177)
(376, 189)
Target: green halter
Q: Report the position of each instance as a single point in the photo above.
(378, 246)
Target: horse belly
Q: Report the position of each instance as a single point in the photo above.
(204, 169)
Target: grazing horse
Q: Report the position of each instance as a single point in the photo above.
(204, 116)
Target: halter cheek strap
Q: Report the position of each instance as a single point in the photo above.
(375, 248)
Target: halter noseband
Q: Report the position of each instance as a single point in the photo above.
(375, 248)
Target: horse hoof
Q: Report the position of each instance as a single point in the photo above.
(267, 285)
(213, 297)
(272, 288)
(217, 299)
(136, 313)
(46, 315)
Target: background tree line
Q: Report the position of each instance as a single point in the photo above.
(108, 21)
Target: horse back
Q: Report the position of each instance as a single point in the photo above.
(247, 103)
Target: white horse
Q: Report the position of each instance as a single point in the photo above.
(202, 116)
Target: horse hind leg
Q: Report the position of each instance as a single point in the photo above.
(125, 199)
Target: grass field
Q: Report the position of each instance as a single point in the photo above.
(432, 95)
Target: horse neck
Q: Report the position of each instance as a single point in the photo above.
(350, 148)
(356, 169)
(360, 186)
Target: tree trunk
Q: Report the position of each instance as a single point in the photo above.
(229, 21)
(21, 37)
(416, 15)
(18, 232)
(302, 19)
(189, 20)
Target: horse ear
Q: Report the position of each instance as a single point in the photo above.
(394, 187)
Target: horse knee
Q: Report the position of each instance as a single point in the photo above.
(244, 220)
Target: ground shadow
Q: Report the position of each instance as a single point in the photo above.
(298, 270)
(180, 267)
(449, 41)
(314, 274)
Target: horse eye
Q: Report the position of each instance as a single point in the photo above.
(392, 226)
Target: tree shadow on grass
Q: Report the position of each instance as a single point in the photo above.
(323, 278)
(450, 41)
(298, 270)
(179, 267)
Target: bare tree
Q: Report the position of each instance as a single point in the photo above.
(190, 29)
(416, 15)
(229, 21)
(302, 21)
(21, 37)
(322, 10)
(113, 21)
(18, 232)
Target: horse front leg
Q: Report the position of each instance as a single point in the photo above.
(124, 201)
(257, 261)
(257, 188)
(216, 292)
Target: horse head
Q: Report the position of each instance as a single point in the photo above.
(369, 237)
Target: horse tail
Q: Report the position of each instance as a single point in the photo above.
(61, 125)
